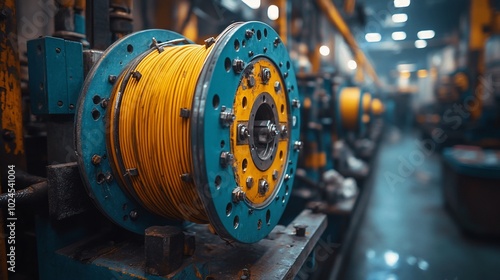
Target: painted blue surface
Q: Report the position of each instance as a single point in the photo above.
(56, 75)
(91, 133)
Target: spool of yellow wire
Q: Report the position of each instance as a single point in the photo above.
(153, 142)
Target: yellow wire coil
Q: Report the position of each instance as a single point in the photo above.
(153, 138)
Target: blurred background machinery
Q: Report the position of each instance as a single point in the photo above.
(242, 139)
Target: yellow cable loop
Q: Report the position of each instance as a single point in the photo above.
(153, 137)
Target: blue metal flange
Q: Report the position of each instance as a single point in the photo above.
(216, 88)
(92, 125)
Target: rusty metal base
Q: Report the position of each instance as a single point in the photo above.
(278, 256)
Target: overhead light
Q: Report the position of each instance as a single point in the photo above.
(399, 18)
(373, 37)
(273, 12)
(398, 35)
(324, 50)
(426, 34)
(401, 3)
(422, 73)
(420, 44)
(406, 67)
(351, 64)
(254, 4)
(404, 74)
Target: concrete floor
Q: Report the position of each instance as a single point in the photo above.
(406, 233)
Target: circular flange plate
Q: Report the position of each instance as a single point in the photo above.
(216, 88)
(91, 130)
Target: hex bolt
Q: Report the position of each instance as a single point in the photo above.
(287, 177)
(283, 131)
(249, 33)
(275, 175)
(266, 75)
(238, 195)
(251, 81)
(104, 103)
(300, 230)
(226, 159)
(112, 79)
(245, 274)
(238, 65)
(250, 53)
(243, 132)
(72, 106)
(133, 215)
(210, 41)
(249, 182)
(263, 186)
(277, 87)
(96, 159)
(109, 177)
(8, 135)
(137, 75)
(227, 116)
(276, 42)
(296, 103)
(297, 145)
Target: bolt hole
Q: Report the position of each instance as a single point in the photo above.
(39, 48)
(236, 45)
(124, 206)
(244, 102)
(96, 99)
(244, 165)
(229, 209)
(130, 48)
(41, 86)
(236, 222)
(243, 43)
(282, 109)
(286, 189)
(215, 101)
(218, 181)
(263, 98)
(58, 50)
(288, 65)
(60, 103)
(259, 224)
(259, 35)
(222, 143)
(283, 200)
(281, 155)
(100, 178)
(291, 171)
(95, 114)
(265, 32)
(268, 217)
(227, 64)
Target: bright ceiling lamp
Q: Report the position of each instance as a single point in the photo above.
(373, 37)
(351, 64)
(426, 34)
(254, 4)
(399, 18)
(324, 50)
(273, 12)
(401, 3)
(398, 35)
(420, 44)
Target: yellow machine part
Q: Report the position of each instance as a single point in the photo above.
(245, 166)
(349, 107)
(461, 81)
(377, 107)
(367, 100)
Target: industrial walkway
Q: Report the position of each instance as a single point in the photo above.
(406, 233)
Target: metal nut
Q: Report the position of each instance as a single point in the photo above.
(249, 182)
(263, 186)
(296, 103)
(238, 195)
(266, 75)
(226, 159)
(275, 175)
(227, 116)
(300, 230)
(238, 65)
(297, 145)
(277, 86)
(243, 132)
(96, 159)
(284, 131)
